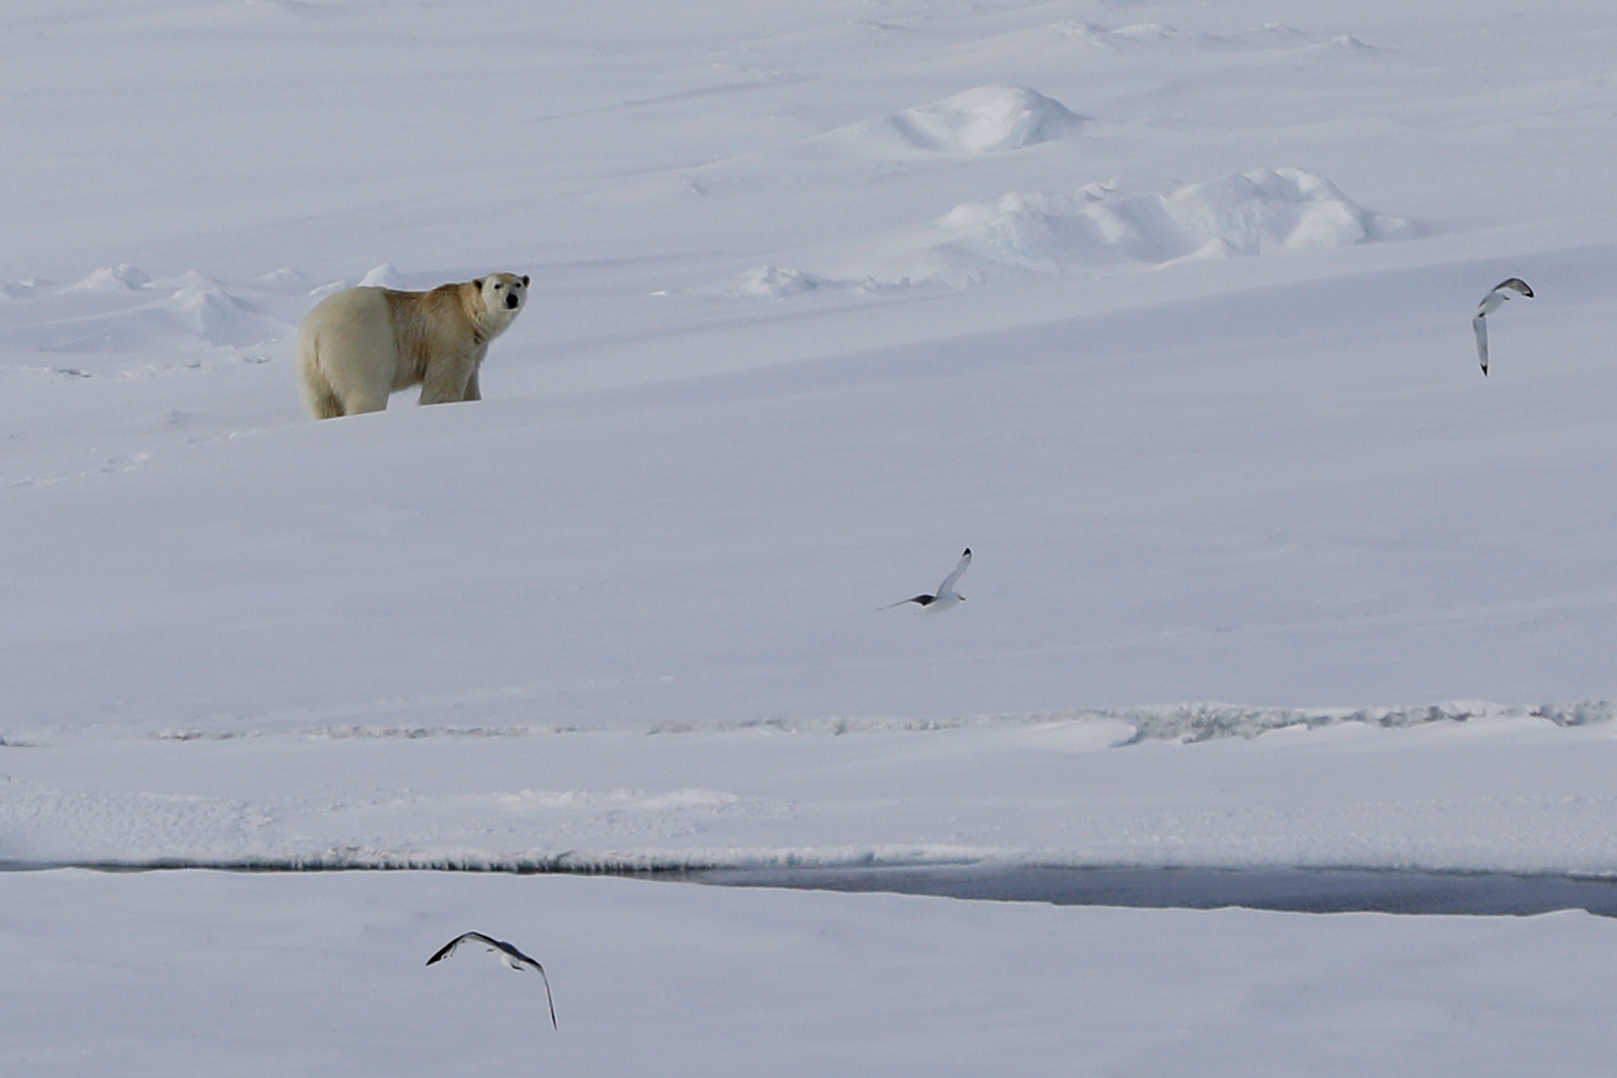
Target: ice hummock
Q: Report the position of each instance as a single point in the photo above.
(1111, 226)
(991, 119)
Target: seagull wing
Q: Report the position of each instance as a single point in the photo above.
(549, 999)
(1515, 284)
(1479, 326)
(449, 948)
(924, 600)
(964, 564)
(532, 963)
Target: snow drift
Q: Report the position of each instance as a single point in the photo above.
(1264, 212)
(120, 278)
(384, 276)
(1106, 226)
(983, 120)
(196, 312)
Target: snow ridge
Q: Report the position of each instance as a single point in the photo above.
(1105, 227)
(1188, 723)
(1263, 212)
(1191, 723)
(574, 862)
(1059, 789)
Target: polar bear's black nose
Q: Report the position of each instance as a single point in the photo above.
(512, 301)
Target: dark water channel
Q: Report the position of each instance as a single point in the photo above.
(1300, 890)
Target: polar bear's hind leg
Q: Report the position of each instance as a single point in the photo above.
(318, 396)
(323, 403)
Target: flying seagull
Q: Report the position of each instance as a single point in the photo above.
(513, 958)
(1491, 303)
(946, 597)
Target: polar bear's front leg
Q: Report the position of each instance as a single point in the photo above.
(447, 380)
(473, 391)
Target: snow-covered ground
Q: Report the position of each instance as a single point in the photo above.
(1500, 790)
(1161, 308)
(213, 974)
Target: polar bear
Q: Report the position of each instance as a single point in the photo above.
(361, 344)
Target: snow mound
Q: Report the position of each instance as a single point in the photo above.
(285, 277)
(1273, 35)
(197, 311)
(1249, 213)
(1264, 212)
(220, 318)
(1122, 39)
(773, 282)
(190, 280)
(120, 278)
(19, 289)
(1345, 44)
(1144, 33)
(984, 120)
(383, 276)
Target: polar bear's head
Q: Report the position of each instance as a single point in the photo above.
(503, 292)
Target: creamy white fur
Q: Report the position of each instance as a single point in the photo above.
(359, 345)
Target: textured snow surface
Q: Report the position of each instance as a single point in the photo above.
(1453, 787)
(987, 119)
(202, 974)
(1160, 308)
(1268, 211)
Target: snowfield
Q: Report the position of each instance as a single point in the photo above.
(213, 973)
(1160, 307)
(1445, 789)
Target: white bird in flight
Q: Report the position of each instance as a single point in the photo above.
(513, 959)
(1491, 303)
(946, 596)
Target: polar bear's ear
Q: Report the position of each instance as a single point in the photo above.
(524, 280)
(478, 284)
